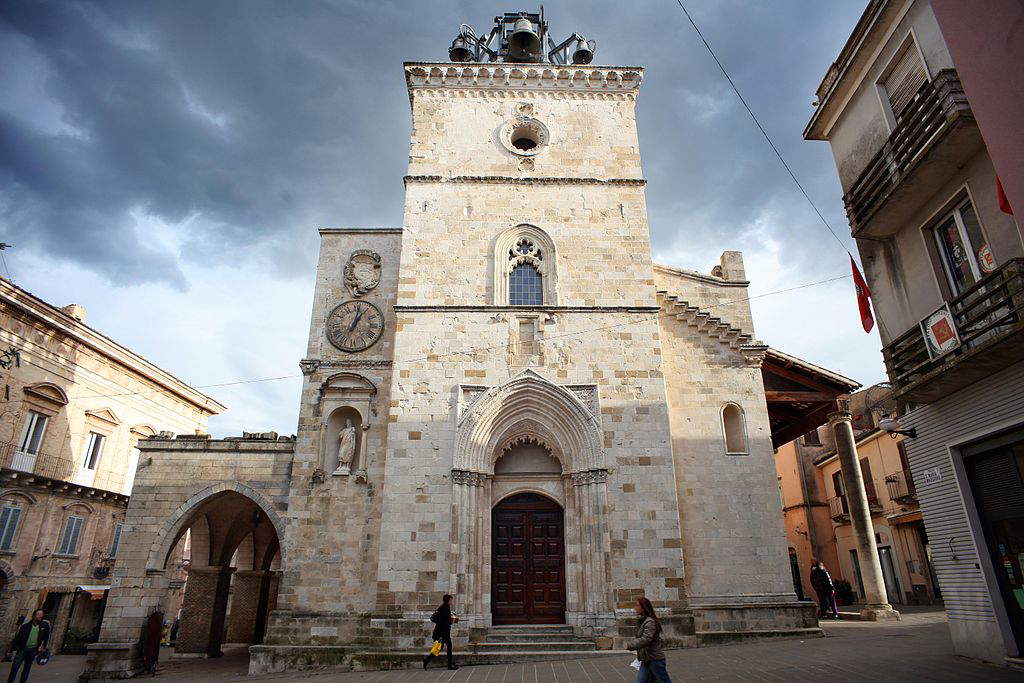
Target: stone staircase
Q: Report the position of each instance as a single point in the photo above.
(705, 322)
(502, 645)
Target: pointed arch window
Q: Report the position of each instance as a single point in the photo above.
(524, 268)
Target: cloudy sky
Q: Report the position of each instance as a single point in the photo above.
(166, 164)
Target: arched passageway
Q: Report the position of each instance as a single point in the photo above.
(229, 550)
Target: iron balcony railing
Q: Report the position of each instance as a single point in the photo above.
(938, 106)
(901, 487)
(43, 464)
(839, 508)
(984, 316)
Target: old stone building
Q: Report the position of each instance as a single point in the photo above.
(75, 404)
(504, 399)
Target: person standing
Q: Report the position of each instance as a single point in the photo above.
(32, 637)
(443, 619)
(648, 645)
(826, 590)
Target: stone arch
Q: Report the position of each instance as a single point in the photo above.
(528, 404)
(542, 256)
(7, 578)
(175, 526)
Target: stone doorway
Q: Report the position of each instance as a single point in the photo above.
(528, 561)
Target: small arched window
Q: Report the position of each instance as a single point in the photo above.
(734, 427)
(524, 268)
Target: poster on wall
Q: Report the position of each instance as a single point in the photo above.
(940, 333)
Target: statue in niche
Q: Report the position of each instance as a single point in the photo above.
(346, 447)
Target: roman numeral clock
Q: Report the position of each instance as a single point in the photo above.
(355, 326)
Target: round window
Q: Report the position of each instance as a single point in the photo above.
(524, 136)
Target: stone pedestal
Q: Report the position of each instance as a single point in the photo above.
(202, 614)
(248, 595)
(877, 607)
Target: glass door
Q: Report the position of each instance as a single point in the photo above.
(892, 581)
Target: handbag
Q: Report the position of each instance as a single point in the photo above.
(43, 657)
(435, 649)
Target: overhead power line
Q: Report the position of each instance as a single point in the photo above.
(761, 128)
(478, 349)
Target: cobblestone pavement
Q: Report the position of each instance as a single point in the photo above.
(916, 649)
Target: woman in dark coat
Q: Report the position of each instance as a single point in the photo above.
(443, 619)
(648, 645)
(822, 583)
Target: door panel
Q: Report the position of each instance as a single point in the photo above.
(528, 561)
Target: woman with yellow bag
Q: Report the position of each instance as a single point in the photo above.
(443, 619)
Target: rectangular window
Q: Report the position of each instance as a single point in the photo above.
(93, 451)
(32, 435)
(9, 517)
(905, 78)
(116, 540)
(811, 438)
(963, 249)
(869, 483)
(69, 539)
(839, 487)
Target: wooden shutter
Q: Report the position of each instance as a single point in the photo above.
(904, 80)
(9, 524)
(869, 483)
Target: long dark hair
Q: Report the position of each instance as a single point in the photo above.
(648, 610)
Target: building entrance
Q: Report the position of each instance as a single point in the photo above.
(528, 561)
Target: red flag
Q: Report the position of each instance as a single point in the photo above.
(863, 298)
(1004, 203)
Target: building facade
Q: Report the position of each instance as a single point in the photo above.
(504, 400)
(75, 404)
(943, 261)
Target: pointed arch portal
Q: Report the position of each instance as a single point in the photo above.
(531, 409)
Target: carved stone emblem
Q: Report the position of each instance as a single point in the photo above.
(362, 272)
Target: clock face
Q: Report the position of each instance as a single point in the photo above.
(355, 325)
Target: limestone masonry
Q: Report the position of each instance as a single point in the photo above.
(547, 425)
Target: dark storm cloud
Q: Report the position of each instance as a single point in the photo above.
(243, 125)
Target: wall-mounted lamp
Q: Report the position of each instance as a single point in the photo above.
(894, 428)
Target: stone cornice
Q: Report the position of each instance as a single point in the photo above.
(360, 231)
(525, 309)
(521, 180)
(559, 80)
(700, 277)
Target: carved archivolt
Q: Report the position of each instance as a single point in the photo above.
(528, 405)
(530, 245)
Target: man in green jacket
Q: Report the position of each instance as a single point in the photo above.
(32, 636)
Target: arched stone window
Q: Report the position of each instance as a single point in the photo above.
(524, 268)
(734, 428)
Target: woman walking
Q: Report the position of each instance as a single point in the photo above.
(823, 586)
(648, 645)
(443, 619)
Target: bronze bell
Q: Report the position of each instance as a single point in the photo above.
(524, 42)
(460, 51)
(583, 54)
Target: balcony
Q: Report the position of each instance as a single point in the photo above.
(838, 509)
(51, 470)
(936, 136)
(987, 321)
(901, 487)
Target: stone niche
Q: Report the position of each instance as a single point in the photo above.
(346, 400)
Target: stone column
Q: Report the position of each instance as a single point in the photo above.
(248, 591)
(877, 607)
(202, 615)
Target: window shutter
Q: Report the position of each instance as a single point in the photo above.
(8, 525)
(74, 539)
(904, 80)
(869, 482)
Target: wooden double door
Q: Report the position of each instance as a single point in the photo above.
(528, 561)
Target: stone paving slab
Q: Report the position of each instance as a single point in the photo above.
(916, 649)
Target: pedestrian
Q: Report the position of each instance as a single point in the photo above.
(648, 645)
(826, 590)
(443, 618)
(31, 639)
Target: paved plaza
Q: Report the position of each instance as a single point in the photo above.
(916, 649)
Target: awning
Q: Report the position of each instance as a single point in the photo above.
(95, 592)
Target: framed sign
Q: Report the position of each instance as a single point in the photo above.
(940, 332)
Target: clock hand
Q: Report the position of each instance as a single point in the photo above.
(355, 320)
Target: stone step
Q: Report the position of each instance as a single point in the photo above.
(537, 646)
(532, 628)
(542, 637)
(397, 659)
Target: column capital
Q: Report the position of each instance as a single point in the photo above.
(840, 416)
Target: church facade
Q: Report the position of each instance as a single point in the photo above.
(504, 400)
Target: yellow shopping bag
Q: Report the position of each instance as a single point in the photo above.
(435, 649)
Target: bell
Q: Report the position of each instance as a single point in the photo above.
(524, 42)
(583, 54)
(459, 51)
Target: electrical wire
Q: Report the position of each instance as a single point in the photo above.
(761, 128)
(478, 349)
